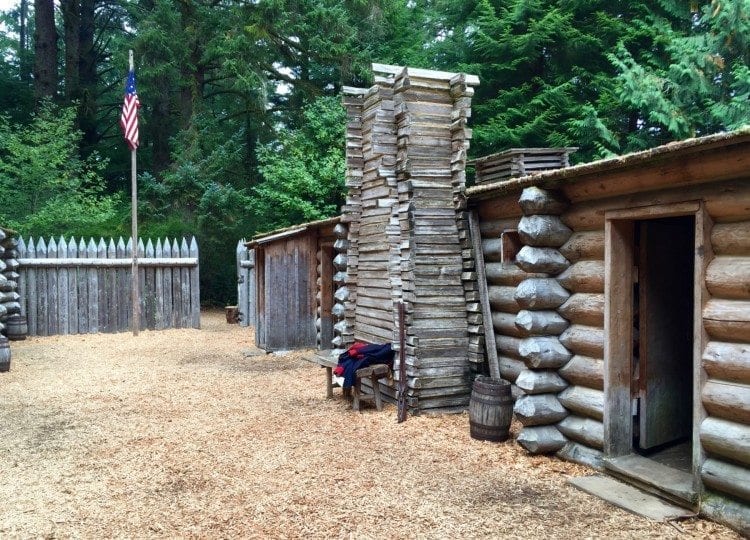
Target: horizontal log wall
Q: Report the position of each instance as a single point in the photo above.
(725, 392)
(725, 433)
(74, 287)
(584, 279)
(502, 280)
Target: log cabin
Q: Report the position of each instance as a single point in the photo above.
(295, 273)
(620, 304)
(614, 295)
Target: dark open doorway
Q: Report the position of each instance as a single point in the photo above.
(652, 353)
(663, 329)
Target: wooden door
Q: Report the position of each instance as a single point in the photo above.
(665, 278)
(260, 298)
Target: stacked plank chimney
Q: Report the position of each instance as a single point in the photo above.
(408, 229)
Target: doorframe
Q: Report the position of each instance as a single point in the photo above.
(619, 263)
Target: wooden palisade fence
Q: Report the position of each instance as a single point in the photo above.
(74, 287)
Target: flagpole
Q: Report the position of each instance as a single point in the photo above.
(134, 231)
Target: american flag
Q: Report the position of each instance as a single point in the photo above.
(129, 116)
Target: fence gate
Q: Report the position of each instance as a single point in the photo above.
(246, 283)
(70, 287)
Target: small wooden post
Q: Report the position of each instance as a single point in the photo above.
(484, 296)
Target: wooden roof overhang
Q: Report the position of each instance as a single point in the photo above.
(272, 236)
(713, 158)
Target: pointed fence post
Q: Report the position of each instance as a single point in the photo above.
(167, 286)
(22, 278)
(176, 290)
(159, 288)
(185, 320)
(111, 274)
(31, 290)
(195, 296)
(149, 289)
(141, 273)
(42, 305)
(72, 288)
(52, 297)
(122, 286)
(63, 301)
(83, 291)
(101, 253)
(93, 286)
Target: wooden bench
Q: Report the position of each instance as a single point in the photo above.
(375, 373)
(324, 359)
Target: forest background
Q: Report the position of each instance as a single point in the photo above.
(242, 129)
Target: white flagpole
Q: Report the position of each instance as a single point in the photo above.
(134, 231)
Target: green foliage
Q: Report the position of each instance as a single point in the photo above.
(224, 217)
(303, 172)
(241, 126)
(549, 82)
(45, 188)
(698, 80)
(16, 95)
(197, 196)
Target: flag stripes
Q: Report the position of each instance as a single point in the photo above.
(129, 116)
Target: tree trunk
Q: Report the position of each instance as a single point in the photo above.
(159, 132)
(23, 42)
(45, 50)
(71, 15)
(88, 79)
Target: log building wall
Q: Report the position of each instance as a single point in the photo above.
(10, 299)
(295, 280)
(565, 414)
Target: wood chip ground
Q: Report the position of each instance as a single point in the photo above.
(179, 434)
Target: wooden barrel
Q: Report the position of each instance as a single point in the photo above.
(4, 354)
(490, 409)
(16, 328)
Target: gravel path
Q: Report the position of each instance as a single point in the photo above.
(178, 434)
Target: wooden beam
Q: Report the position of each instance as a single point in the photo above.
(484, 297)
(618, 332)
(727, 361)
(106, 263)
(710, 165)
(388, 69)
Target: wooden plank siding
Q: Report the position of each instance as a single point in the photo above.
(293, 282)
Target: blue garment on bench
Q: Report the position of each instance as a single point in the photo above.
(366, 356)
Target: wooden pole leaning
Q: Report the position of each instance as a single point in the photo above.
(134, 231)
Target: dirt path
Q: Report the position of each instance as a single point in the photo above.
(177, 434)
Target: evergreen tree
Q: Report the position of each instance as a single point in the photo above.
(696, 80)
